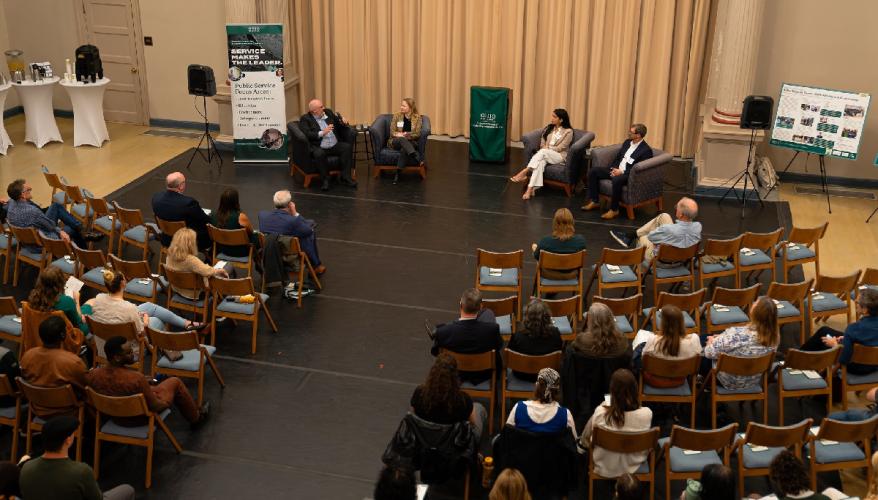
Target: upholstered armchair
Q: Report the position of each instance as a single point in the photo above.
(385, 158)
(562, 175)
(645, 182)
(301, 160)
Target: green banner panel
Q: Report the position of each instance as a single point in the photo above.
(489, 124)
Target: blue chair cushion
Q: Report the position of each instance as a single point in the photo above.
(106, 223)
(9, 325)
(799, 252)
(721, 389)
(484, 385)
(60, 197)
(66, 266)
(681, 462)
(33, 253)
(231, 258)
(548, 282)
(231, 306)
(514, 383)
(829, 302)
(4, 241)
(832, 453)
(189, 362)
(138, 432)
(869, 378)
(681, 390)
(759, 459)
(643, 469)
(788, 310)
(187, 301)
(81, 210)
(136, 233)
(135, 287)
(9, 411)
(562, 323)
(717, 267)
(671, 272)
(758, 257)
(95, 275)
(627, 274)
(505, 323)
(688, 322)
(508, 277)
(733, 315)
(799, 382)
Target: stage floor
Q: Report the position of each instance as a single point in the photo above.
(309, 415)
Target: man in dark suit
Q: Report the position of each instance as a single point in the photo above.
(633, 151)
(172, 205)
(319, 125)
(475, 332)
(286, 221)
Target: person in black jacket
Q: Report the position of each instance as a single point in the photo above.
(634, 150)
(475, 332)
(320, 125)
(538, 335)
(172, 205)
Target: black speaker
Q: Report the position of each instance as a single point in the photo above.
(756, 114)
(201, 80)
(88, 64)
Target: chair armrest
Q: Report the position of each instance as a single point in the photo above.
(378, 133)
(422, 140)
(531, 142)
(602, 157)
(576, 156)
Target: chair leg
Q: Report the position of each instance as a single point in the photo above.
(216, 372)
(97, 463)
(149, 448)
(200, 386)
(780, 399)
(15, 267)
(765, 409)
(590, 488)
(253, 335)
(270, 319)
(713, 404)
(630, 210)
(161, 423)
(692, 413)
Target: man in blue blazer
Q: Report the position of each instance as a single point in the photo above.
(286, 221)
(633, 151)
(172, 205)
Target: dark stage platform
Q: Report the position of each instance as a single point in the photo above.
(309, 415)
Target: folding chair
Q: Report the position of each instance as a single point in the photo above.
(143, 285)
(625, 442)
(806, 373)
(789, 299)
(191, 365)
(178, 281)
(231, 238)
(91, 265)
(689, 303)
(626, 311)
(55, 401)
(304, 262)
(683, 272)
(618, 269)
(7, 249)
(60, 254)
(143, 435)
(831, 296)
(803, 246)
(688, 451)
(514, 387)
(106, 331)
(686, 368)
(105, 221)
(565, 316)
(504, 313)
(842, 445)
(59, 194)
(134, 230)
(869, 279)
(10, 321)
(79, 208)
(757, 253)
(729, 307)
(733, 365)
(226, 303)
(501, 272)
(167, 228)
(28, 238)
(852, 382)
(761, 443)
(552, 262)
(730, 249)
(11, 416)
(486, 389)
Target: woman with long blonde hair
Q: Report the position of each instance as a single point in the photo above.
(563, 240)
(510, 485)
(757, 338)
(405, 130)
(183, 257)
(601, 337)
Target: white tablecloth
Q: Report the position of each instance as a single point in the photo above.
(89, 126)
(4, 137)
(36, 97)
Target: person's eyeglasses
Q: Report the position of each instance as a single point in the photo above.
(28, 190)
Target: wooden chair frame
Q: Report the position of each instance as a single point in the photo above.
(51, 397)
(821, 362)
(27, 236)
(54, 181)
(134, 270)
(232, 237)
(766, 242)
(7, 253)
(568, 308)
(167, 227)
(807, 237)
(504, 307)
(227, 287)
(6, 389)
(86, 260)
(868, 278)
(624, 442)
(56, 249)
(735, 365)
(523, 363)
(795, 294)
(862, 354)
(509, 260)
(689, 303)
(667, 253)
(632, 258)
(8, 307)
(554, 261)
(186, 281)
(720, 440)
(477, 363)
(842, 287)
(100, 208)
(630, 307)
(791, 436)
(860, 433)
(671, 368)
(131, 218)
(182, 341)
(741, 297)
(304, 263)
(76, 197)
(730, 248)
(106, 331)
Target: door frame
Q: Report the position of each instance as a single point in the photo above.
(82, 33)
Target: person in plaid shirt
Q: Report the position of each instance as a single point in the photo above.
(23, 212)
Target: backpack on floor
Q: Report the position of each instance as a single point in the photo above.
(765, 174)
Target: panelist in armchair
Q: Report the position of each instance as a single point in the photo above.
(319, 125)
(405, 130)
(632, 151)
(554, 145)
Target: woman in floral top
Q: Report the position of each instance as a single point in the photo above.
(755, 339)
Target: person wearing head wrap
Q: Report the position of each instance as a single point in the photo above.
(543, 413)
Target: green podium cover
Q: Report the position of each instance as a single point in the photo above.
(489, 124)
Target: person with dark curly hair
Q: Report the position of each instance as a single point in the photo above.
(717, 482)
(538, 336)
(790, 479)
(48, 295)
(440, 400)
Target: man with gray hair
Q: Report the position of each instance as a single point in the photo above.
(284, 220)
(864, 331)
(662, 230)
(328, 135)
(172, 205)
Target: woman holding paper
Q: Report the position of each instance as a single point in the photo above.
(48, 295)
(670, 342)
(183, 257)
(757, 338)
(405, 130)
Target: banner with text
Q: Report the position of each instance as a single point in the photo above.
(256, 75)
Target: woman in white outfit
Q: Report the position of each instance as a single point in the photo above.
(554, 145)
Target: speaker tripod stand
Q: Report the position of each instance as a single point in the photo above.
(747, 176)
(206, 137)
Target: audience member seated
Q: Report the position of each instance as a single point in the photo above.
(510, 485)
(48, 295)
(864, 331)
(789, 478)
(183, 257)
(229, 216)
(23, 212)
(757, 338)
(9, 480)
(858, 414)
(474, 332)
(405, 130)
(632, 151)
(396, 482)
(554, 145)
(622, 413)
(172, 205)
(51, 366)
(284, 220)
(440, 400)
(601, 337)
(662, 230)
(9, 367)
(671, 342)
(544, 413)
(319, 125)
(537, 336)
(627, 488)
(717, 482)
(118, 380)
(562, 240)
(53, 476)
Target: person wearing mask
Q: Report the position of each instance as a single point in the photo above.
(554, 145)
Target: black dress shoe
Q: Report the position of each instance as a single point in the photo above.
(203, 416)
(347, 181)
(92, 236)
(325, 185)
(396, 176)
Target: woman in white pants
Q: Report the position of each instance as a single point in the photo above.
(554, 144)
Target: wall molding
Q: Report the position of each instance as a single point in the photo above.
(165, 123)
(16, 110)
(836, 181)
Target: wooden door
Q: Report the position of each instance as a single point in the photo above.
(113, 26)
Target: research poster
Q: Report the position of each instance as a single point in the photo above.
(256, 76)
(821, 121)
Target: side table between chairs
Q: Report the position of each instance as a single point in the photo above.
(367, 154)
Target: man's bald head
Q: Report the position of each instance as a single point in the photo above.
(687, 209)
(174, 181)
(315, 107)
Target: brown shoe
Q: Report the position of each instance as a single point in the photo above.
(610, 214)
(590, 206)
(320, 269)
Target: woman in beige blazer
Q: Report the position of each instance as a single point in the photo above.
(554, 145)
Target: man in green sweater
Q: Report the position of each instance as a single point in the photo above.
(54, 476)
